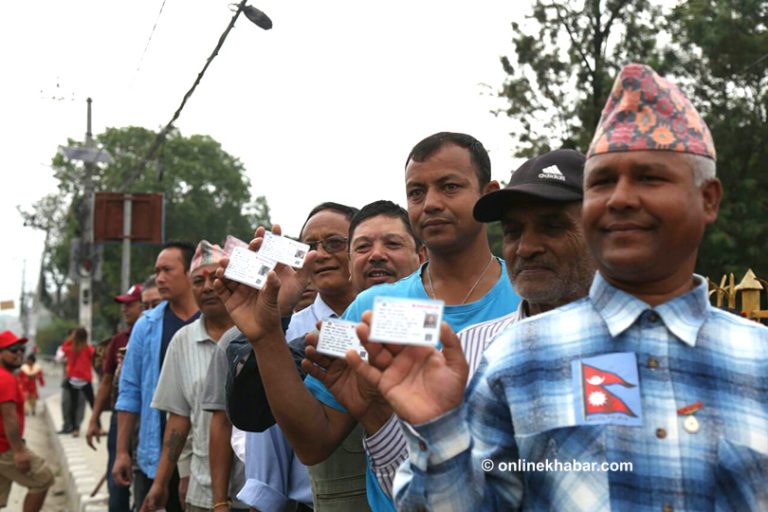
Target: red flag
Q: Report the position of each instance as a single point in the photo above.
(597, 399)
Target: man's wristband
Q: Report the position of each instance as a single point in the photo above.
(220, 504)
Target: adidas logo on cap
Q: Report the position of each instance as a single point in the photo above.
(552, 172)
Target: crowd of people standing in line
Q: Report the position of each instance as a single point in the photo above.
(590, 340)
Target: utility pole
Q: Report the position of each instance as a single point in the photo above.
(86, 265)
(23, 305)
(125, 271)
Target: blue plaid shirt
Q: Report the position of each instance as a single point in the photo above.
(520, 405)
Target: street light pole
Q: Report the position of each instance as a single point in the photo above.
(125, 271)
(86, 265)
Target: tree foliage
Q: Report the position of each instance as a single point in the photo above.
(206, 197)
(566, 57)
(564, 63)
(722, 48)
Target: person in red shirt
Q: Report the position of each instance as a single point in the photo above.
(30, 375)
(79, 355)
(17, 463)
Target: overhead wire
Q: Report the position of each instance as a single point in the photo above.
(149, 40)
(166, 130)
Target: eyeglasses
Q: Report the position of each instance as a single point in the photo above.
(331, 244)
(152, 304)
(13, 349)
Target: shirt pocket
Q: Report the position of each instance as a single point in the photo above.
(741, 474)
(560, 467)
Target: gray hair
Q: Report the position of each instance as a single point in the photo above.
(704, 169)
(149, 283)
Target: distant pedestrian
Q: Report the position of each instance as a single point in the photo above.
(66, 427)
(30, 375)
(79, 356)
(17, 463)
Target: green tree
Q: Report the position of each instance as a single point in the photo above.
(565, 58)
(722, 48)
(206, 197)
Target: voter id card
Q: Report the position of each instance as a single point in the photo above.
(338, 336)
(283, 250)
(406, 321)
(248, 267)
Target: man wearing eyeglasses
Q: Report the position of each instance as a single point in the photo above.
(325, 231)
(268, 485)
(150, 295)
(377, 246)
(445, 175)
(17, 463)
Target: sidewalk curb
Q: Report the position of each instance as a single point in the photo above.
(79, 478)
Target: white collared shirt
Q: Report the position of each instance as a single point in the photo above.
(305, 320)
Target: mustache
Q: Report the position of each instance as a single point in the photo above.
(432, 218)
(380, 267)
(541, 262)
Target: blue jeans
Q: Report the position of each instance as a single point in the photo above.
(119, 496)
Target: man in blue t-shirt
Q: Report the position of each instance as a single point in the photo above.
(445, 175)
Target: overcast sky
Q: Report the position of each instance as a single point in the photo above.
(324, 107)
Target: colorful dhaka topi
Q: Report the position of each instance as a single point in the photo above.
(646, 112)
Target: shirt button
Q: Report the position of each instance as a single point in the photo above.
(661, 433)
(653, 316)
(667, 508)
(422, 446)
(653, 363)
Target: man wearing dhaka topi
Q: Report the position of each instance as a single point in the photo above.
(642, 371)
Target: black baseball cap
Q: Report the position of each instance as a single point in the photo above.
(554, 176)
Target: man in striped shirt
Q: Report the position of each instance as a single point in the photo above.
(547, 262)
(180, 384)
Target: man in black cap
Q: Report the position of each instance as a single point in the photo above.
(546, 257)
(544, 247)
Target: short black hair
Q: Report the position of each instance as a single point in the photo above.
(387, 209)
(187, 249)
(477, 153)
(346, 211)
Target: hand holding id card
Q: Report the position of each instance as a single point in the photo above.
(406, 321)
(251, 268)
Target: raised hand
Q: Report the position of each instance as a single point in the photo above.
(257, 313)
(420, 383)
(354, 393)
